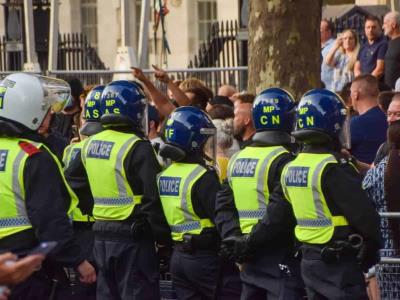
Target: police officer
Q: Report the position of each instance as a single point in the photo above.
(188, 188)
(336, 222)
(121, 167)
(82, 214)
(91, 125)
(35, 199)
(256, 224)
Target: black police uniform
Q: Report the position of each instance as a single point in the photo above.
(137, 275)
(197, 271)
(47, 201)
(271, 270)
(341, 185)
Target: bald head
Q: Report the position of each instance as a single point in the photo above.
(243, 127)
(364, 93)
(226, 90)
(393, 111)
(366, 85)
(391, 24)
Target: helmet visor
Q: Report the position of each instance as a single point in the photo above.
(145, 120)
(344, 135)
(57, 93)
(210, 147)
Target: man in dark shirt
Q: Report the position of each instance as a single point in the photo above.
(368, 129)
(393, 115)
(391, 26)
(370, 59)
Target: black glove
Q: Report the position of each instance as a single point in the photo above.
(235, 248)
(140, 228)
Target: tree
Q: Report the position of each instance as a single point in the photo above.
(284, 45)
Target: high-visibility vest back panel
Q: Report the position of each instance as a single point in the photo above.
(301, 182)
(103, 156)
(248, 177)
(13, 216)
(70, 153)
(175, 188)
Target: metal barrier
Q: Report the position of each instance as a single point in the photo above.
(388, 271)
(213, 77)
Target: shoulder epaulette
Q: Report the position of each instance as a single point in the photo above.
(29, 148)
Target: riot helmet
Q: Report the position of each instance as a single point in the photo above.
(322, 117)
(186, 132)
(92, 112)
(273, 114)
(27, 98)
(123, 103)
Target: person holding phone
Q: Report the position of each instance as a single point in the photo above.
(35, 197)
(13, 271)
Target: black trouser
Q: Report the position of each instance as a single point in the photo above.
(342, 279)
(230, 284)
(128, 269)
(286, 291)
(37, 287)
(272, 276)
(76, 290)
(195, 276)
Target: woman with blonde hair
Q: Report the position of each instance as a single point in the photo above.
(342, 57)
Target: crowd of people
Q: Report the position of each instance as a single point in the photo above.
(237, 196)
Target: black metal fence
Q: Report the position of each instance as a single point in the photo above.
(220, 49)
(74, 53)
(11, 55)
(354, 22)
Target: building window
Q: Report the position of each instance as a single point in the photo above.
(89, 20)
(207, 14)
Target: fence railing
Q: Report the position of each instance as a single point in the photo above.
(388, 270)
(213, 77)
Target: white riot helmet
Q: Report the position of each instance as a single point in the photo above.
(27, 98)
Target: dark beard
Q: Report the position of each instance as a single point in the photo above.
(239, 134)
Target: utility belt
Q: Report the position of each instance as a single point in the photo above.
(193, 243)
(336, 251)
(136, 229)
(82, 225)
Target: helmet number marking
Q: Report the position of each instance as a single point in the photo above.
(275, 120)
(309, 121)
(97, 96)
(169, 132)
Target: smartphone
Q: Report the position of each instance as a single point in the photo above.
(44, 248)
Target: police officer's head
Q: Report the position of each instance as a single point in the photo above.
(322, 119)
(123, 103)
(26, 100)
(186, 132)
(92, 112)
(273, 114)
